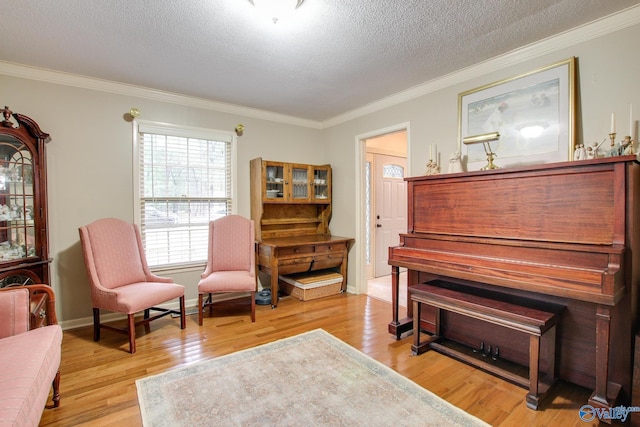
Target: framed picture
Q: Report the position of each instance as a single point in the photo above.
(533, 114)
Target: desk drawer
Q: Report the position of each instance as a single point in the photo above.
(330, 260)
(311, 249)
(330, 248)
(309, 263)
(294, 265)
(301, 250)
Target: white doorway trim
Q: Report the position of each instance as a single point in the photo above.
(360, 156)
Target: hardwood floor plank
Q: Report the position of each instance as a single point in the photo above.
(98, 379)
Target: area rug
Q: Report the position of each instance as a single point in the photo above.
(311, 379)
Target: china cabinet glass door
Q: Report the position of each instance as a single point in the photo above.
(17, 229)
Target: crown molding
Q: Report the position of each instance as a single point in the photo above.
(601, 27)
(78, 81)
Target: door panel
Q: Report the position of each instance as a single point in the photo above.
(390, 208)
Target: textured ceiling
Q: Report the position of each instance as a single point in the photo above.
(332, 57)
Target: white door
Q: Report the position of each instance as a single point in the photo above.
(390, 213)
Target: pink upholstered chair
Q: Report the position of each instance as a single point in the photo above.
(231, 262)
(120, 277)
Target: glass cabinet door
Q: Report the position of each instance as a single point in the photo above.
(300, 183)
(321, 183)
(17, 228)
(274, 181)
(295, 183)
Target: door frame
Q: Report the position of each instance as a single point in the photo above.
(360, 159)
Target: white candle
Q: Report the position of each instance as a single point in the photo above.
(430, 152)
(435, 149)
(613, 123)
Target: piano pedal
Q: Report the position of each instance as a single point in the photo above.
(488, 352)
(479, 350)
(496, 354)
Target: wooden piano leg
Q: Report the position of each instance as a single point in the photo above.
(398, 326)
(395, 291)
(605, 394)
(394, 325)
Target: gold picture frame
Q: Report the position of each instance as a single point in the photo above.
(534, 113)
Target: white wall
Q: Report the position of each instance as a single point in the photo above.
(607, 81)
(90, 166)
(90, 155)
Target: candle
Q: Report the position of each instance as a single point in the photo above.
(430, 152)
(613, 123)
(435, 149)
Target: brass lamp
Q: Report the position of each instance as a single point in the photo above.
(485, 139)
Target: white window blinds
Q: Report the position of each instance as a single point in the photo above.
(185, 178)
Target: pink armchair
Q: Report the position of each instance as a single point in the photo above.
(120, 277)
(231, 263)
(30, 359)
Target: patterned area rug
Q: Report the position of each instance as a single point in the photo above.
(312, 379)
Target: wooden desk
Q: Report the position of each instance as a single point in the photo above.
(299, 254)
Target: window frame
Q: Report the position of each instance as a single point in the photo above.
(171, 129)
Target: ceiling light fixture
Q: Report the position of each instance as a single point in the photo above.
(276, 9)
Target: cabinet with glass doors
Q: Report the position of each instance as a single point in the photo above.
(290, 199)
(24, 248)
(294, 182)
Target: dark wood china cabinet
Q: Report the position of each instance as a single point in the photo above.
(24, 243)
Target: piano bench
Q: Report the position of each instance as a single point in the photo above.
(535, 322)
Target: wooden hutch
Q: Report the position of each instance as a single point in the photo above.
(563, 235)
(291, 208)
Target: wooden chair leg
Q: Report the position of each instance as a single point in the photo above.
(183, 319)
(200, 309)
(132, 333)
(253, 307)
(96, 324)
(56, 390)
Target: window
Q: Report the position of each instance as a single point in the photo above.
(392, 171)
(184, 178)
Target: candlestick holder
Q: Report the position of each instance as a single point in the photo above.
(612, 137)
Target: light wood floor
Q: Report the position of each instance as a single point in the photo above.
(98, 379)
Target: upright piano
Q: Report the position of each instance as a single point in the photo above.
(564, 234)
